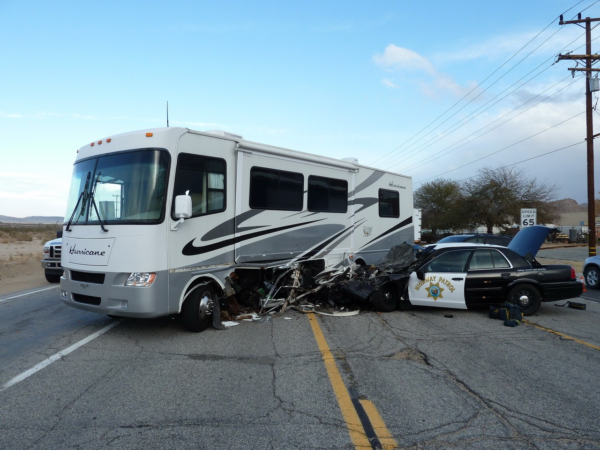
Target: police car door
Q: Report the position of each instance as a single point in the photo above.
(443, 281)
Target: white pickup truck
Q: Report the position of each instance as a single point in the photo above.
(51, 263)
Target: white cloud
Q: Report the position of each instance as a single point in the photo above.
(402, 60)
(399, 58)
(388, 83)
(11, 115)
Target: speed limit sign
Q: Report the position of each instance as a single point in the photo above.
(528, 217)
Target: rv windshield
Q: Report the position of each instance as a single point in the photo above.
(129, 187)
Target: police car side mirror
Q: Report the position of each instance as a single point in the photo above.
(420, 274)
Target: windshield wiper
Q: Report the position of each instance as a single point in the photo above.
(83, 195)
(94, 201)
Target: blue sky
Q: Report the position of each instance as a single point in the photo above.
(339, 78)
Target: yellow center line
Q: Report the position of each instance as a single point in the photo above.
(385, 438)
(355, 428)
(549, 330)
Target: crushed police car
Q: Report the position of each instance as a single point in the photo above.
(471, 275)
(454, 275)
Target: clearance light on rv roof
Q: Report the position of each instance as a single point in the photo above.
(140, 279)
(108, 140)
(92, 144)
(149, 135)
(99, 142)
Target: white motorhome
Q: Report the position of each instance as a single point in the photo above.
(158, 219)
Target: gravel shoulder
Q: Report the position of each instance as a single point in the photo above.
(20, 267)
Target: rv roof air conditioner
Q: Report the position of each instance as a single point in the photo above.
(225, 134)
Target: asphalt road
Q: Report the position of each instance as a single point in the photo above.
(436, 382)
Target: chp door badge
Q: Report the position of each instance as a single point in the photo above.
(367, 231)
(434, 291)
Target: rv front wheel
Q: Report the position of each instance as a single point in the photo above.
(196, 312)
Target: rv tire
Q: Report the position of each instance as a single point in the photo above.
(194, 315)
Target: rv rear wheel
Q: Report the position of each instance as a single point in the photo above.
(196, 312)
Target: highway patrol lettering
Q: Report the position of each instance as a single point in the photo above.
(431, 281)
(420, 284)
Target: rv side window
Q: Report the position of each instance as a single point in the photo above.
(276, 189)
(389, 203)
(204, 177)
(327, 194)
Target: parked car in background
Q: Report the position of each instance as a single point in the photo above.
(591, 272)
(53, 269)
(478, 238)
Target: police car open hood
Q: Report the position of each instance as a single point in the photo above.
(528, 241)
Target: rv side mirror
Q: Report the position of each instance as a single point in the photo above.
(183, 209)
(183, 206)
(420, 274)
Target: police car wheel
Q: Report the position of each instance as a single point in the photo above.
(592, 277)
(525, 296)
(196, 312)
(386, 298)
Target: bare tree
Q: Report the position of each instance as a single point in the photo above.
(440, 201)
(495, 197)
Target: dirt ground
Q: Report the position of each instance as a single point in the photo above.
(20, 266)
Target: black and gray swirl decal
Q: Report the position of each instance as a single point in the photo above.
(190, 249)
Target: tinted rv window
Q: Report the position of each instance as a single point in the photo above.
(389, 203)
(327, 194)
(276, 189)
(204, 177)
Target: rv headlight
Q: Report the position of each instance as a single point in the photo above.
(140, 279)
(46, 251)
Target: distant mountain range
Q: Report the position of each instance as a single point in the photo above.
(32, 219)
(568, 205)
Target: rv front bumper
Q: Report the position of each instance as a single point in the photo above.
(109, 295)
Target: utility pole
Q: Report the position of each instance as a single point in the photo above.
(588, 58)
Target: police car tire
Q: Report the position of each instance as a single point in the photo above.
(385, 299)
(592, 277)
(535, 299)
(190, 311)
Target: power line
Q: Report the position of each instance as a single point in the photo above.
(488, 77)
(414, 166)
(525, 160)
(505, 148)
(480, 84)
(466, 119)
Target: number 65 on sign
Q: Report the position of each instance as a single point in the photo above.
(528, 217)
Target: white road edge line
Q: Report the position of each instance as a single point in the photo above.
(28, 293)
(57, 356)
